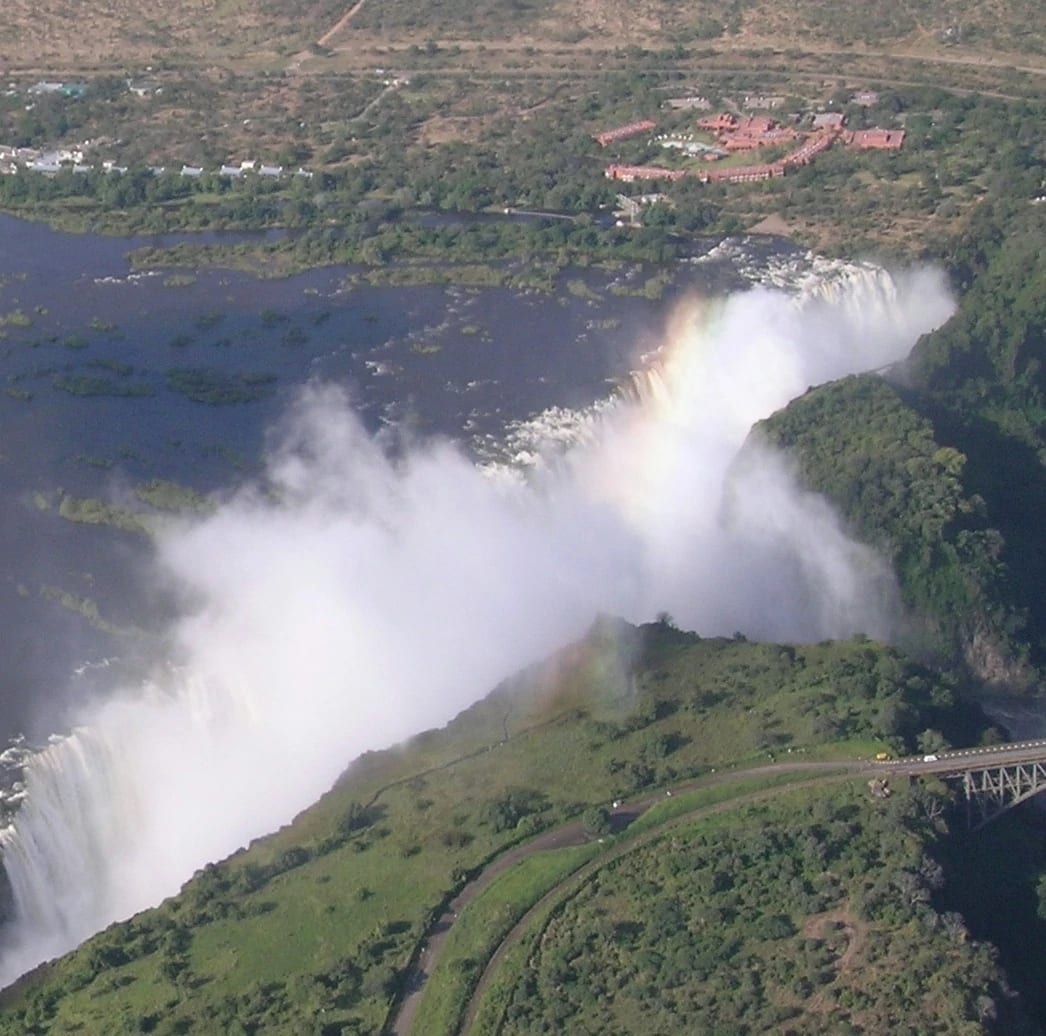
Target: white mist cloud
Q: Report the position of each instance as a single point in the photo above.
(353, 599)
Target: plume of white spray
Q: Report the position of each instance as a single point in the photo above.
(355, 599)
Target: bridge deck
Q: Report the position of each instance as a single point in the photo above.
(995, 778)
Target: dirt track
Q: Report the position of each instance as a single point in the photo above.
(340, 23)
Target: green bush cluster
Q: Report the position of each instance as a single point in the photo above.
(219, 388)
(807, 915)
(943, 469)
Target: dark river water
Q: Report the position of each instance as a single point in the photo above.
(92, 365)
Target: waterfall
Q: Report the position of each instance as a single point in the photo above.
(58, 855)
(87, 846)
(646, 386)
(353, 599)
(868, 318)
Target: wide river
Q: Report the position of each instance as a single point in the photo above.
(95, 359)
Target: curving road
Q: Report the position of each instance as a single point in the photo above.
(584, 872)
(622, 814)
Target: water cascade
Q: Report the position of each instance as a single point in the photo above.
(352, 599)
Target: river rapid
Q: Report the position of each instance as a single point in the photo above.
(442, 466)
(87, 350)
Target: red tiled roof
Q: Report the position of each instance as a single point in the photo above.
(642, 172)
(743, 173)
(619, 133)
(876, 138)
(722, 121)
(814, 145)
(753, 125)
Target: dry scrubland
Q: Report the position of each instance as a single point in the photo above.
(117, 34)
(114, 34)
(484, 105)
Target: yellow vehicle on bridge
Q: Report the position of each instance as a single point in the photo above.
(883, 757)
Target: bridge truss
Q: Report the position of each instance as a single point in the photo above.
(992, 790)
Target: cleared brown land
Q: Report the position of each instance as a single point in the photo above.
(394, 83)
(120, 34)
(40, 35)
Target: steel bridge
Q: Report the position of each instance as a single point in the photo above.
(993, 779)
(990, 792)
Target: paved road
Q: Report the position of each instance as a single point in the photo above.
(645, 838)
(955, 761)
(962, 760)
(621, 815)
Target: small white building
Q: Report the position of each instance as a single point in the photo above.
(764, 102)
(689, 104)
(865, 98)
(829, 120)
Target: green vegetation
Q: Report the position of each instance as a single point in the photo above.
(158, 495)
(457, 144)
(810, 914)
(178, 280)
(92, 461)
(987, 360)
(806, 910)
(98, 512)
(170, 496)
(996, 881)
(518, 896)
(86, 607)
(319, 922)
(902, 490)
(479, 930)
(943, 470)
(219, 388)
(91, 385)
(681, 804)
(16, 318)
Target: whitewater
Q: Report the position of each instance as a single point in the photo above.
(358, 594)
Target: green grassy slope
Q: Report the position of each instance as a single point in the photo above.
(315, 925)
